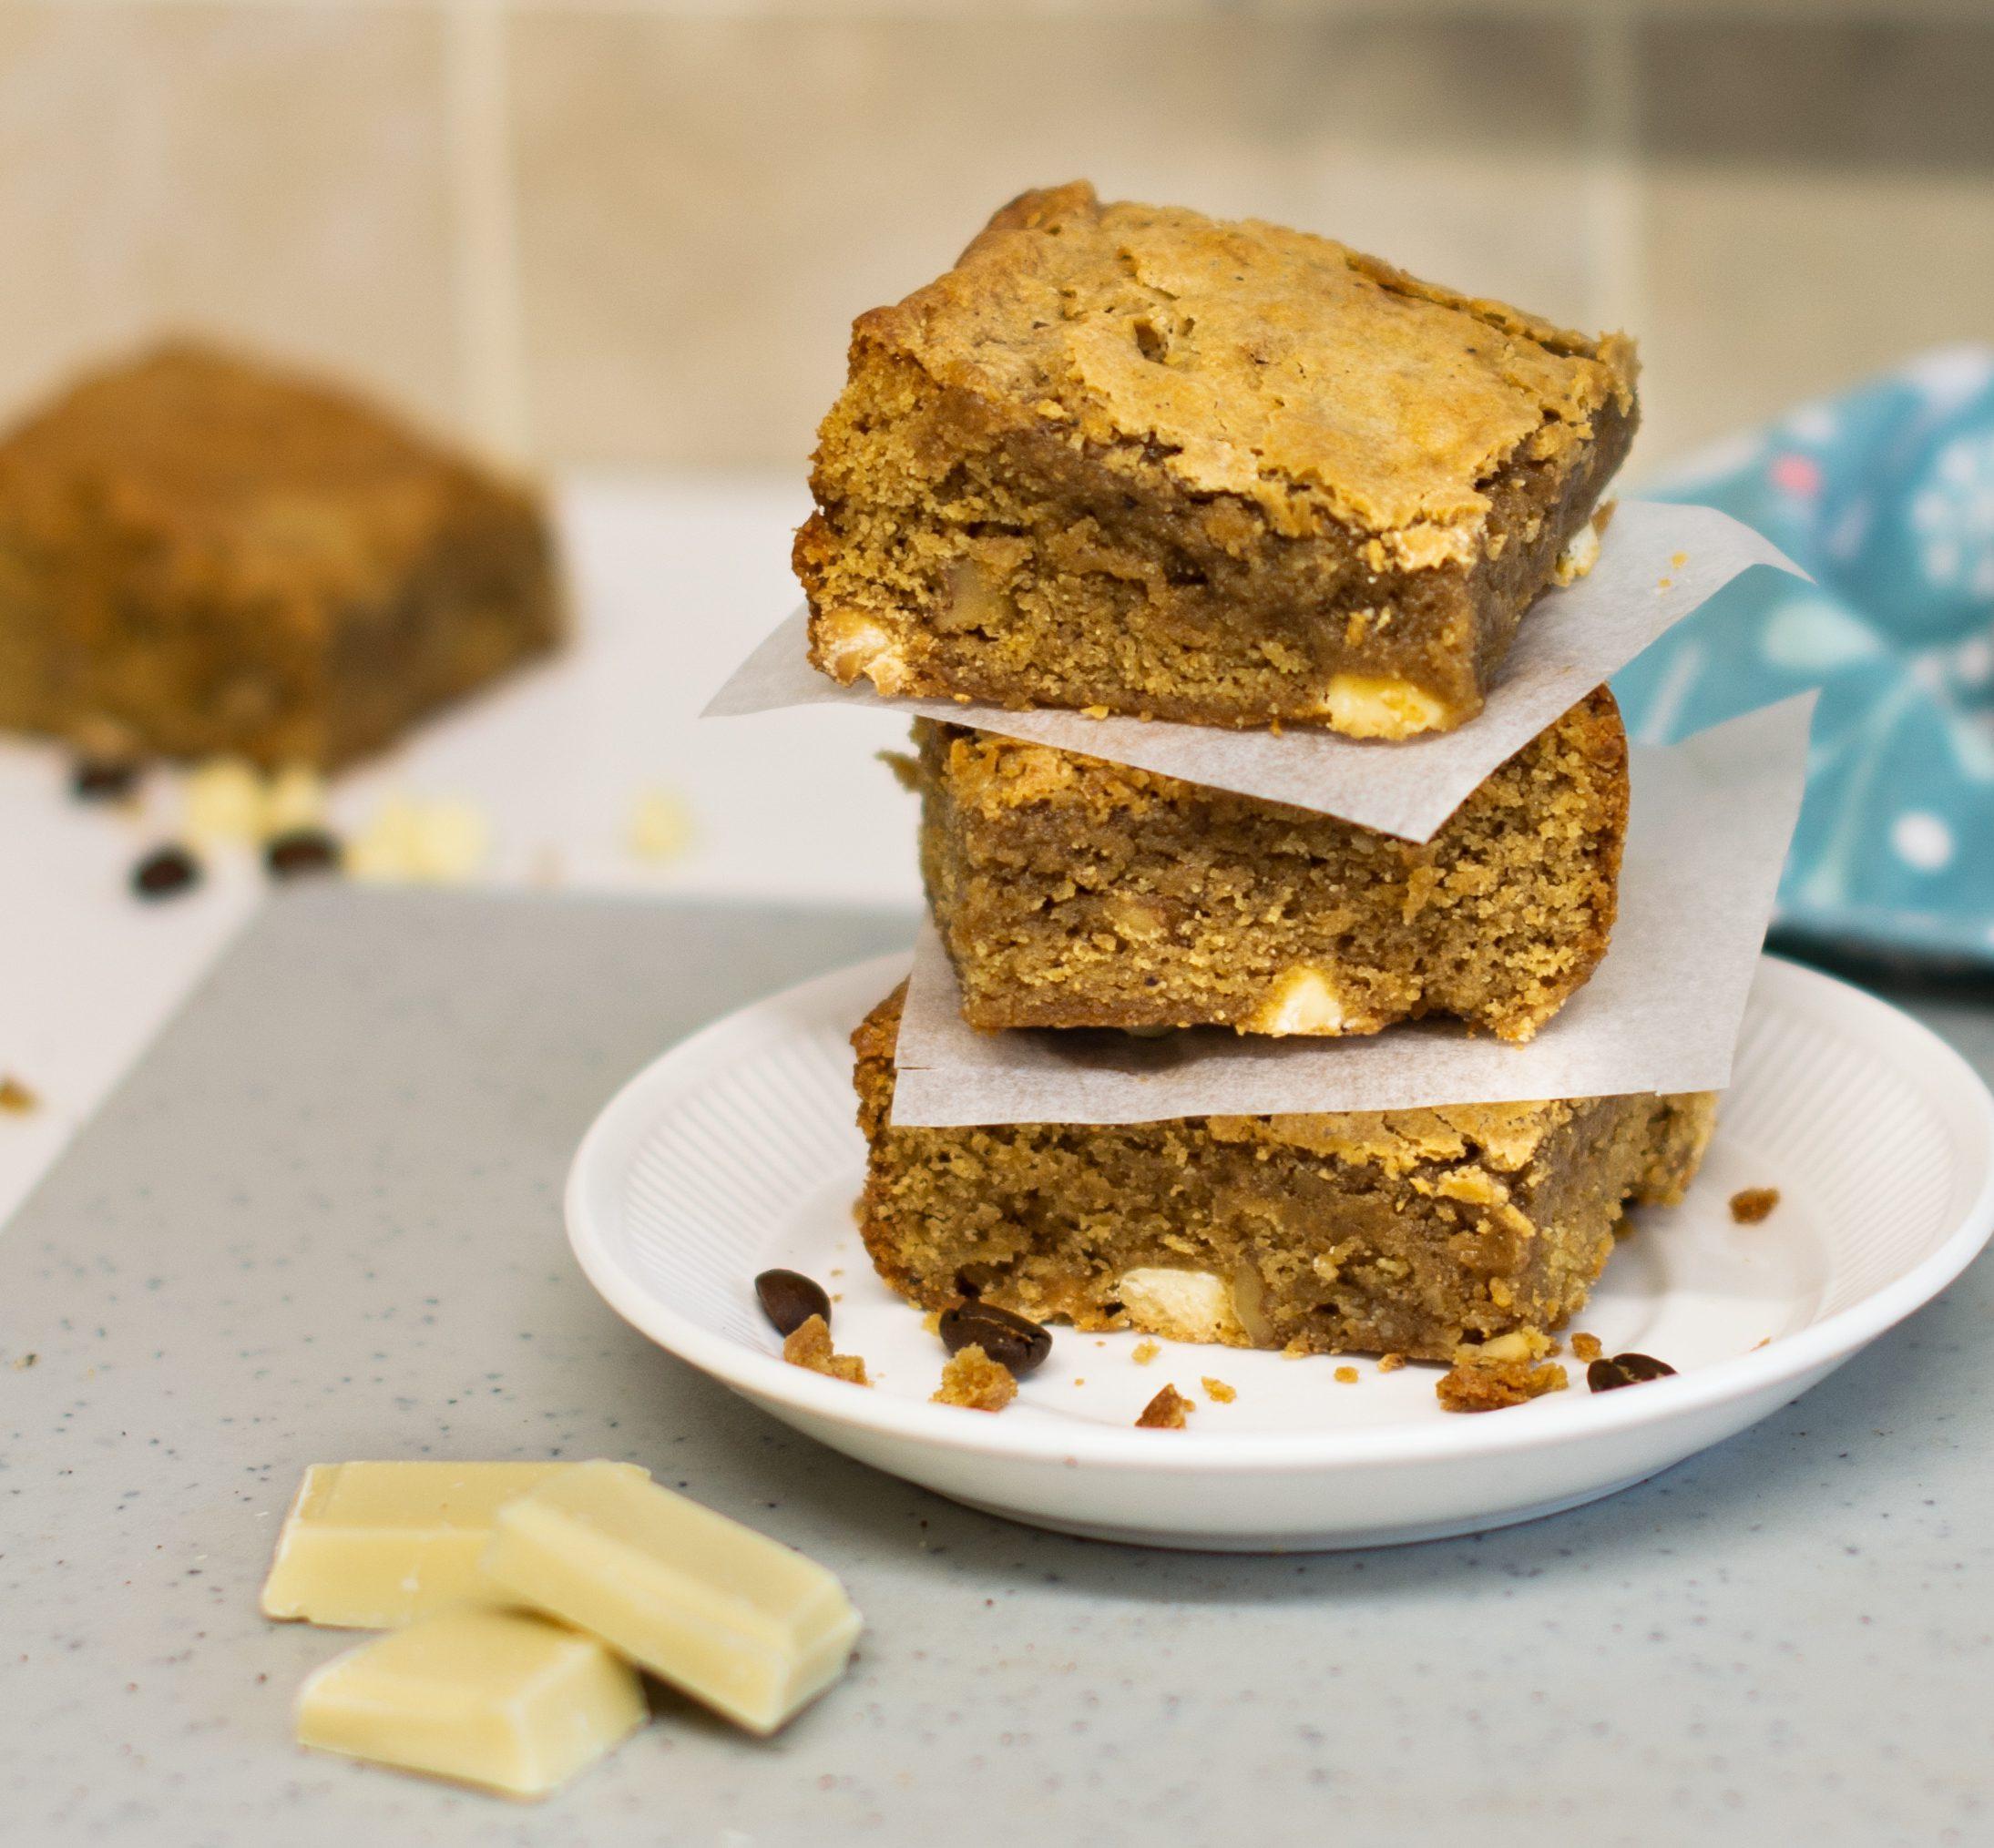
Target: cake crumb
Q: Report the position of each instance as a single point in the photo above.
(1166, 1411)
(1145, 1351)
(932, 1322)
(809, 1346)
(1586, 1347)
(1218, 1392)
(1390, 1363)
(1347, 1376)
(16, 1099)
(975, 1382)
(1488, 1388)
(1749, 1205)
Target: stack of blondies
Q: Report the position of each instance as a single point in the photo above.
(1130, 460)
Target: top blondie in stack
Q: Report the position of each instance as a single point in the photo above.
(1128, 460)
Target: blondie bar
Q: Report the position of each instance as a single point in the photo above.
(199, 555)
(1408, 1231)
(1131, 458)
(1070, 892)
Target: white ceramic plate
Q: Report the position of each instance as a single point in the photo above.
(737, 1151)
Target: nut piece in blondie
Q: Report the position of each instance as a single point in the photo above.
(1128, 457)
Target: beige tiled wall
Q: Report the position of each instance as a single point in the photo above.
(634, 231)
(281, 172)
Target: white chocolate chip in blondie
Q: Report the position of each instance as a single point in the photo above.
(850, 645)
(1135, 919)
(1301, 1001)
(1376, 706)
(1180, 1305)
(1579, 557)
(1426, 545)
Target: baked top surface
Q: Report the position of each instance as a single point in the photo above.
(199, 439)
(1260, 361)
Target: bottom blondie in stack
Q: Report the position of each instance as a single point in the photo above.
(1407, 1232)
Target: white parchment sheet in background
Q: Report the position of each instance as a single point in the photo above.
(1657, 563)
(1707, 834)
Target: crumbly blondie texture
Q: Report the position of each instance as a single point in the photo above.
(1168, 1411)
(975, 1382)
(1751, 1206)
(1494, 1387)
(1408, 1232)
(808, 1346)
(1072, 891)
(1128, 457)
(200, 556)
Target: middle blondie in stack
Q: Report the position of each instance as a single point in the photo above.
(1130, 460)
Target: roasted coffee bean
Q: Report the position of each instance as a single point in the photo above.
(1625, 1370)
(789, 1300)
(103, 779)
(1012, 1341)
(164, 871)
(300, 851)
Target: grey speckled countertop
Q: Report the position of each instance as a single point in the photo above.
(321, 1221)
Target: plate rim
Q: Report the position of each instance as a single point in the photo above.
(622, 1123)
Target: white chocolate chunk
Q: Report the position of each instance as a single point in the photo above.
(368, 1545)
(660, 827)
(501, 1699)
(1578, 557)
(853, 645)
(437, 842)
(1180, 1305)
(1376, 706)
(223, 801)
(1302, 1001)
(295, 798)
(730, 1615)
